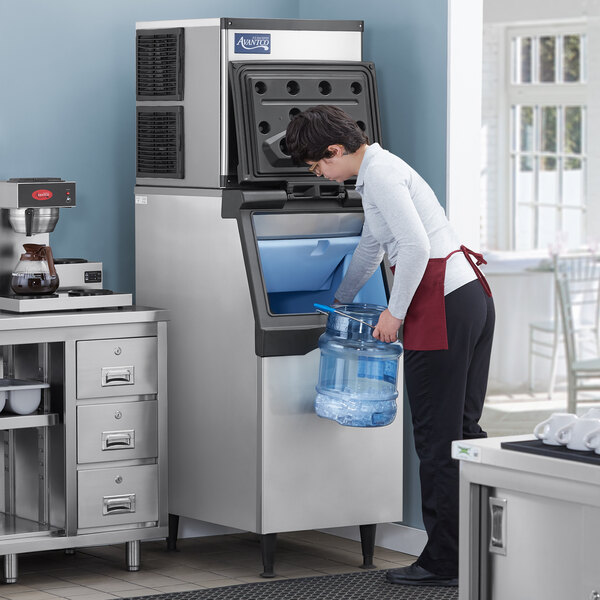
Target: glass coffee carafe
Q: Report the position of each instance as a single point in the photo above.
(35, 273)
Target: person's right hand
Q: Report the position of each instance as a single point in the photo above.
(387, 327)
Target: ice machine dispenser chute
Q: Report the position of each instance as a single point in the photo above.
(299, 272)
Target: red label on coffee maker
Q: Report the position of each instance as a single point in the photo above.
(42, 195)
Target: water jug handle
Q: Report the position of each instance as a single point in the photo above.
(324, 309)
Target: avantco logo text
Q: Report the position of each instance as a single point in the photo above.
(252, 43)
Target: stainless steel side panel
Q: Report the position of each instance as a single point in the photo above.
(201, 110)
(117, 496)
(314, 472)
(117, 367)
(117, 431)
(212, 366)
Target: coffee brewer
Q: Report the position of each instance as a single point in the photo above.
(29, 211)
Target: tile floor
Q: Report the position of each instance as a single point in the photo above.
(98, 573)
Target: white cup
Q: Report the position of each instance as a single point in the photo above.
(592, 440)
(574, 433)
(547, 430)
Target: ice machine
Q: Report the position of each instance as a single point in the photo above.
(238, 242)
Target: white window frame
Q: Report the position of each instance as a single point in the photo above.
(533, 94)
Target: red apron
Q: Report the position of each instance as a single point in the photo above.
(425, 322)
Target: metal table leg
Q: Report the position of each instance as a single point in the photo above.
(132, 551)
(11, 570)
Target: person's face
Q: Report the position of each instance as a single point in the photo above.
(335, 168)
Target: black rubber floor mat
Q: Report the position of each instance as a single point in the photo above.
(349, 586)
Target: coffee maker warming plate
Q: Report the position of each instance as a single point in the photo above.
(62, 301)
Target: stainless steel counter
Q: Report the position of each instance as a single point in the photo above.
(89, 467)
(529, 524)
(80, 318)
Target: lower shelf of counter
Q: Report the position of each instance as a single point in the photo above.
(11, 525)
(11, 421)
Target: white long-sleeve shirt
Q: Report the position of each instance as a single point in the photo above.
(404, 219)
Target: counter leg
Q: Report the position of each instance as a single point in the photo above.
(11, 569)
(173, 530)
(132, 551)
(367, 543)
(268, 542)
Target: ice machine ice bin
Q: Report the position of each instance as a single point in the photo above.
(268, 239)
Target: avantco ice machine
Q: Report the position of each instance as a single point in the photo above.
(238, 243)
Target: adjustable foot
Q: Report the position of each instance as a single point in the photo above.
(132, 551)
(173, 530)
(268, 542)
(367, 543)
(11, 569)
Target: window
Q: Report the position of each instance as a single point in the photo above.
(547, 105)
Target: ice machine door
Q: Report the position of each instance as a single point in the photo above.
(294, 260)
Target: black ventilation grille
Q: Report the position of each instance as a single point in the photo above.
(159, 64)
(160, 141)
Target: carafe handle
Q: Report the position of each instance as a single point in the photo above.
(47, 252)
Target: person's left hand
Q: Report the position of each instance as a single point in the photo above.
(387, 327)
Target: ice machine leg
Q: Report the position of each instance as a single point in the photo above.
(132, 553)
(10, 568)
(173, 530)
(268, 541)
(367, 543)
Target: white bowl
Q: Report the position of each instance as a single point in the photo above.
(22, 396)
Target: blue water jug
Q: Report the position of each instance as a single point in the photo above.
(357, 373)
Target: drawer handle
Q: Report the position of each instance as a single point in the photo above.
(117, 376)
(114, 505)
(118, 440)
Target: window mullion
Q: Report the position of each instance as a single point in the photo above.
(560, 137)
(536, 173)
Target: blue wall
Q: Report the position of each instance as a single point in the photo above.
(67, 109)
(407, 41)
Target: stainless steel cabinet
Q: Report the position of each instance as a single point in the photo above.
(90, 466)
(529, 524)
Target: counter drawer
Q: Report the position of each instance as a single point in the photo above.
(117, 367)
(117, 431)
(117, 496)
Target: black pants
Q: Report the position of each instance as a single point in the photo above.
(446, 390)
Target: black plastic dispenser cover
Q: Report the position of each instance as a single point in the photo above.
(266, 95)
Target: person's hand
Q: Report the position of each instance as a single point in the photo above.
(387, 327)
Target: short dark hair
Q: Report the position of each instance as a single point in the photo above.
(312, 131)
